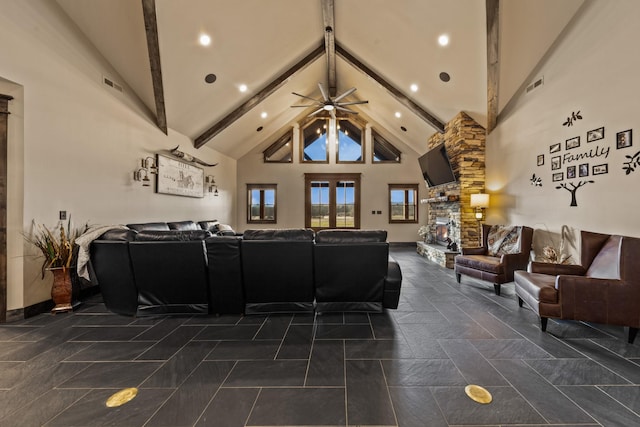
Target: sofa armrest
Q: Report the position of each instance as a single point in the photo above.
(513, 262)
(474, 251)
(557, 269)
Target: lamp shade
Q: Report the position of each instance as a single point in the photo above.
(480, 200)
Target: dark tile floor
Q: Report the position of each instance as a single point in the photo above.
(405, 367)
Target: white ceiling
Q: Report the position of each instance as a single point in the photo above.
(254, 41)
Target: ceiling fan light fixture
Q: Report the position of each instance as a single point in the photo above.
(328, 107)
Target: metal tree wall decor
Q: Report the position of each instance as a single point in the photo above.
(631, 164)
(575, 115)
(573, 189)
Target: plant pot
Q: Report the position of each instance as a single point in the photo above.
(61, 290)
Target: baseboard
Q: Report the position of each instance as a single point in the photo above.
(44, 306)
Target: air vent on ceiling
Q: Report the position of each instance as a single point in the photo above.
(536, 84)
(107, 81)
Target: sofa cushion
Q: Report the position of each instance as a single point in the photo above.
(542, 287)
(351, 236)
(183, 225)
(171, 235)
(279, 234)
(210, 225)
(486, 263)
(156, 226)
(119, 234)
(606, 265)
(503, 240)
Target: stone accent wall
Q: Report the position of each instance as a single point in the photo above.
(465, 142)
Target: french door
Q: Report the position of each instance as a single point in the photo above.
(332, 200)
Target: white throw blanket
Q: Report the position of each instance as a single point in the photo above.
(84, 242)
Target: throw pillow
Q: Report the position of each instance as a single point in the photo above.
(503, 240)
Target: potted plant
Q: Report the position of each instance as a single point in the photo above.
(57, 247)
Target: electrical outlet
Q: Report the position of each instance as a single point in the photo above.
(379, 212)
(373, 212)
(63, 215)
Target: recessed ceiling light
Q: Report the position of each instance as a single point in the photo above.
(242, 88)
(210, 78)
(205, 40)
(445, 77)
(263, 115)
(414, 87)
(398, 115)
(443, 40)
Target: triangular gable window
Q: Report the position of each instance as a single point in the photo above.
(280, 151)
(383, 150)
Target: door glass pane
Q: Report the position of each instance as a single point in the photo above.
(345, 204)
(255, 205)
(320, 204)
(411, 204)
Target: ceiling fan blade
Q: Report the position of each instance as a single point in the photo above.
(324, 94)
(352, 103)
(306, 97)
(306, 106)
(347, 93)
(346, 109)
(316, 112)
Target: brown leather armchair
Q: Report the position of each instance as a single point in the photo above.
(604, 289)
(476, 262)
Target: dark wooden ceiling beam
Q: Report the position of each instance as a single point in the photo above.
(153, 46)
(395, 92)
(328, 19)
(493, 62)
(258, 98)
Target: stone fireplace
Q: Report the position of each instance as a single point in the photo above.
(449, 204)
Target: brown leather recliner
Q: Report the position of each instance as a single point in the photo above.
(476, 262)
(604, 289)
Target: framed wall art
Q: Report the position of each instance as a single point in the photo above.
(583, 170)
(572, 143)
(556, 163)
(571, 172)
(623, 139)
(555, 148)
(600, 169)
(558, 176)
(540, 159)
(596, 134)
(178, 178)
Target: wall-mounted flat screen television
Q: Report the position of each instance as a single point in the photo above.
(435, 166)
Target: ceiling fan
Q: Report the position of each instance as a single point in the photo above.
(330, 104)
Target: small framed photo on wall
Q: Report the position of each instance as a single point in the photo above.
(540, 159)
(558, 176)
(583, 170)
(556, 163)
(623, 139)
(600, 169)
(596, 134)
(572, 143)
(555, 148)
(571, 172)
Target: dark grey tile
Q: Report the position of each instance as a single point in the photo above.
(223, 319)
(274, 328)
(184, 406)
(159, 330)
(575, 372)
(91, 409)
(180, 366)
(347, 332)
(418, 317)
(469, 361)
(303, 319)
(296, 406)
(545, 398)
(229, 408)
(377, 349)
(330, 318)
(326, 366)
(603, 408)
(110, 351)
(422, 373)
(509, 349)
(629, 395)
(384, 327)
(111, 375)
(620, 347)
(297, 342)
(446, 330)
(276, 373)
(105, 319)
(618, 364)
(356, 318)
(8, 333)
(228, 333)
(507, 407)
(109, 333)
(245, 350)
(44, 408)
(416, 407)
(170, 344)
(368, 398)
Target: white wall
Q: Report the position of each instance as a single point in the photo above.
(81, 142)
(594, 70)
(374, 186)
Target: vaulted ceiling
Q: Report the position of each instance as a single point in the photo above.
(277, 47)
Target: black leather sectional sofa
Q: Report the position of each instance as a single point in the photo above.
(182, 268)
